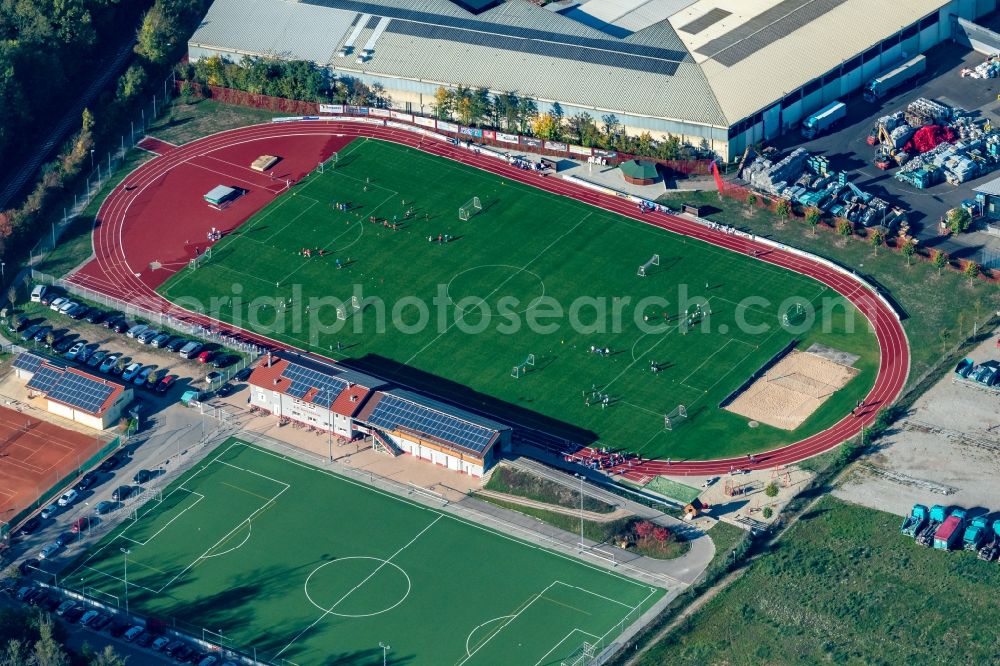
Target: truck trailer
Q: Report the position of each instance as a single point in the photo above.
(892, 78)
(949, 533)
(823, 119)
(914, 522)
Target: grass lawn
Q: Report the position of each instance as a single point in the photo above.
(941, 308)
(530, 274)
(845, 587)
(601, 532)
(506, 479)
(673, 489)
(186, 122)
(269, 553)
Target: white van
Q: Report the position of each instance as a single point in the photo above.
(37, 293)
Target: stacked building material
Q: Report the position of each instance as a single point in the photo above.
(774, 177)
(923, 111)
(900, 136)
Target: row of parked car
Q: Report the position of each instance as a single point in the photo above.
(75, 612)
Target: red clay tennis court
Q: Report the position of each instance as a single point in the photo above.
(34, 456)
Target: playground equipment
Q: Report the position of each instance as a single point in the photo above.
(644, 269)
(521, 368)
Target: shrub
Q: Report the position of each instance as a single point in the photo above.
(771, 490)
(767, 513)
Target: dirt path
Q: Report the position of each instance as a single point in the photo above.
(588, 515)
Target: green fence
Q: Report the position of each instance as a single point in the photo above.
(58, 486)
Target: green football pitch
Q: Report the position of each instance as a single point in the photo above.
(530, 276)
(262, 553)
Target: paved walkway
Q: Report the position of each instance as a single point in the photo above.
(592, 516)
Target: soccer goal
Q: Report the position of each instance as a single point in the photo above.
(471, 207)
(582, 656)
(644, 269)
(794, 315)
(328, 163)
(519, 370)
(345, 310)
(672, 419)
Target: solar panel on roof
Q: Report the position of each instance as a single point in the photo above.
(44, 378)
(81, 392)
(394, 412)
(27, 362)
(303, 379)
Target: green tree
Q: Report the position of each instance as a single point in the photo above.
(752, 200)
(157, 34)
(107, 657)
(959, 219)
(610, 124)
(526, 110)
(812, 219)
(12, 294)
(767, 513)
(908, 248)
(876, 240)
(544, 126)
(47, 651)
(771, 490)
(944, 334)
(783, 209)
(939, 260)
(132, 82)
(845, 228)
(971, 270)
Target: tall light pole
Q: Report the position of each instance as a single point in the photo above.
(580, 476)
(2, 275)
(125, 552)
(91, 159)
(385, 651)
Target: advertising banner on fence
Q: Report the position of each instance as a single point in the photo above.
(529, 142)
(471, 131)
(489, 134)
(555, 145)
(331, 108)
(424, 122)
(580, 150)
(359, 110)
(379, 113)
(286, 119)
(507, 138)
(607, 154)
(399, 115)
(447, 127)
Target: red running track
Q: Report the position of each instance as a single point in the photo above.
(152, 194)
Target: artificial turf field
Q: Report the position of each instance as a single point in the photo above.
(524, 244)
(308, 567)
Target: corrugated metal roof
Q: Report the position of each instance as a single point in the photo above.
(991, 188)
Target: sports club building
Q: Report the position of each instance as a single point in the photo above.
(315, 392)
(728, 73)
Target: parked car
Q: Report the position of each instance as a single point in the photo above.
(133, 633)
(57, 336)
(145, 640)
(84, 523)
(74, 614)
(79, 312)
(67, 306)
(96, 358)
(66, 538)
(51, 602)
(191, 349)
(224, 360)
(160, 340)
(136, 330)
(68, 497)
(49, 550)
(49, 511)
(28, 565)
(48, 296)
(85, 353)
(213, 377)
(210, 660)
(100, 622)
(88, 617)
(65, 606)
(121, 493)
(16, 323)
(63, 344)
(147, 336)
(94, 316)
(166, 383)
(109, 362)
(37, 292)
(41, 333)
(119, 627)
(176, 344)
(225, 390)
(206, 356)
(57, 303)
(87, 480)
(182, 653)
(110, 317)
(104, 507)
(111, 463)
(143, 475)
(75, 350)
(159, 643)
(119, 367)
(131, 371)
(29, 332)
(30, 526)
(143, 375)
(121, 326)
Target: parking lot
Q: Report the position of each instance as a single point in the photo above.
(847, 149)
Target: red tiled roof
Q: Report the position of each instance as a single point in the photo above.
(349, 402)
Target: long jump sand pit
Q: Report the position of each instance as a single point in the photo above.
(791, 390)
(34, 456)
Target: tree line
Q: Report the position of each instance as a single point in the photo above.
(161, 38)
(33, 639)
